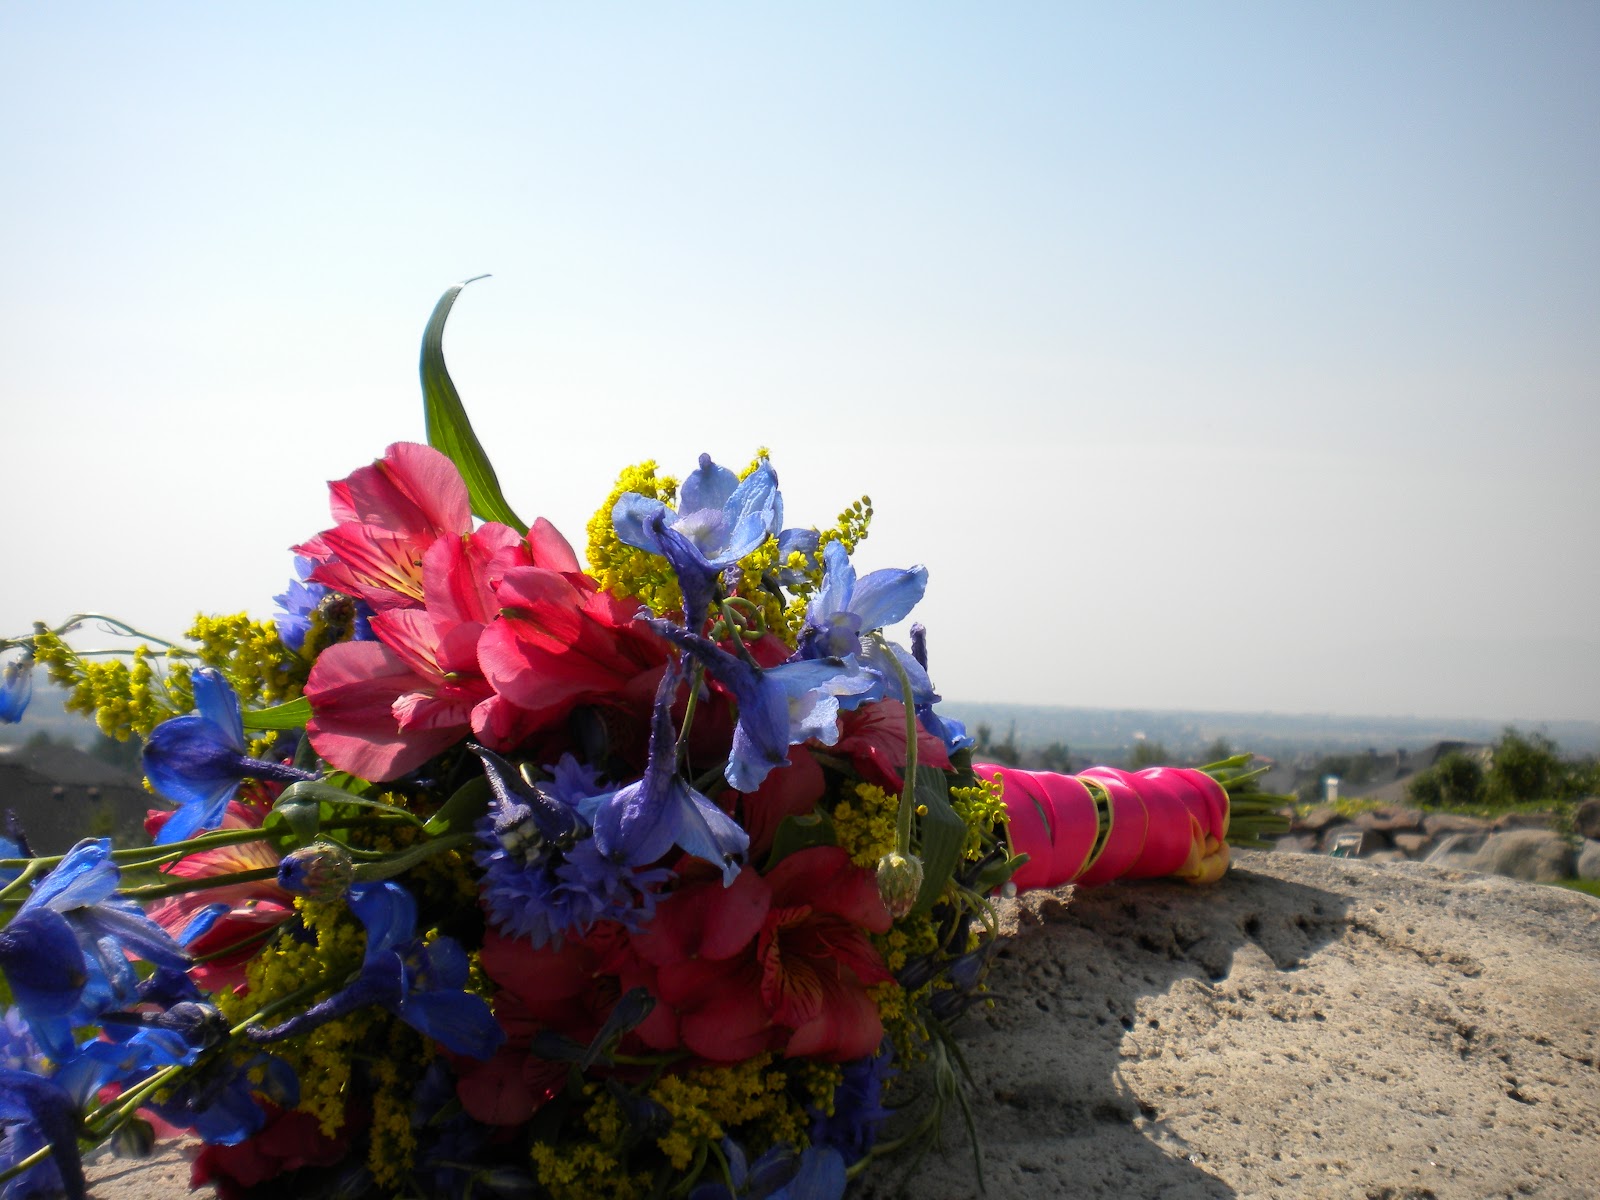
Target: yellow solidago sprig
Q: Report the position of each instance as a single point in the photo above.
(625, 570)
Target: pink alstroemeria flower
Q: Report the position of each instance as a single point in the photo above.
(253, 908)
(383, 708)
(387, 515)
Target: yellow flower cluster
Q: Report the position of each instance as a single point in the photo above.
(394, 1143)
(583, 1170)
(866, 828)
(321, 1057)
(252, 656)
(707, 1102)
(124, 698)
(625, 570)
(981, 809)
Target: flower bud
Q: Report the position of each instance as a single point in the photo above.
(321, 871)
(899, 881)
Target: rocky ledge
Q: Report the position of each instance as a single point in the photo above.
(1309, 1027)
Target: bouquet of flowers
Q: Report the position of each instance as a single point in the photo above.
(486, 874)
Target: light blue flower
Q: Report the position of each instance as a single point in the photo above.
(720, 519)
(845, 607)
(198, 761)
(16, 688)
(779, 706)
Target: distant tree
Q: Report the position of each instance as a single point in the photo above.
(1056, 757)
(1148, 754)
(982, 737)
(39, 739)
(1218, 750)
(1456, 780)
(1527, 767)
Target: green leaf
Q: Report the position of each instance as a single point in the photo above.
(461, 811)
(449, 431)
(292, 715)
(800, 833)
(943, 835)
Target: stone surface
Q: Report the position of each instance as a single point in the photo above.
(1588, 865)
(1438, 823)
(1310, 1027)
(1586, 817)
(1390, 820)
(1535, 855)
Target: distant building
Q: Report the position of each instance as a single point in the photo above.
(61, 795)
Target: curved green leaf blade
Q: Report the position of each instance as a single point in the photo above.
(292, 715)
(449, 431)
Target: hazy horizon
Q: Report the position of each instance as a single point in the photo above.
(1235, 359)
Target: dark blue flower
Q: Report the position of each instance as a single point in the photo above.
(637, 824)
(720, 519)
(16, 688)
(817, 1173)
(544, 878)
(858, 1110)
(779, 706)
(37, 1112)
(198, 761)
(65, 953)
(422, 983)
(947, 729)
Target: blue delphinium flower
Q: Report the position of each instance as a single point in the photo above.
(198, 761)
(639, 823)
(947, 729)
(544, 878)
(65, 953)
(720, 519)
(845, 609)
(36, 1112)
(16, 688)
(779, 706)
(858, 1112)
(816, 1173)
(422, 983)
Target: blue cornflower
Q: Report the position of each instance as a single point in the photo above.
(720, 519)
(16, 688)
(544, 878)
(779, 706)
(639, 823)
(198, 761)
(421, 983)
(298, 602)
(65, 953)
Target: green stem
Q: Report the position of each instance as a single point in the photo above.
(33, 1160)
(122, 628)
(159, 891)
(902, 825)
(697, 674)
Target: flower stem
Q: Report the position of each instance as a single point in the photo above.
(902, 824)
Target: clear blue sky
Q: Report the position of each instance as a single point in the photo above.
(1225, 356)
